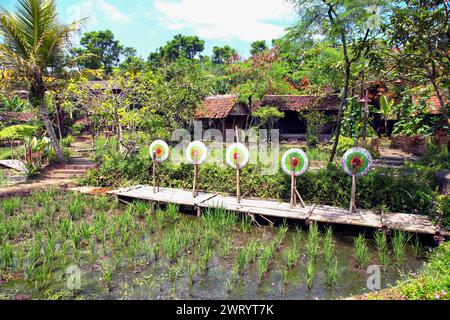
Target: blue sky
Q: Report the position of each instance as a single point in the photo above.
(148, 24)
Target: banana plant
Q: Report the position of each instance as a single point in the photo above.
(386, 109)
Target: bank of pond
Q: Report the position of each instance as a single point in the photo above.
(64, 245)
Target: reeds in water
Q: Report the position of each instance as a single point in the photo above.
(331, 263)
(361, 251)
(382, 248)
(399, 242)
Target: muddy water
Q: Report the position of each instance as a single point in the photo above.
(151, 280)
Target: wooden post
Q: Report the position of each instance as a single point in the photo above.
(154, 172)
(195, 184)
(293, 190)
(158, 176)
(238, 184)
(353, 197)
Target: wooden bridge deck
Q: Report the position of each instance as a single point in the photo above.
(267, 208)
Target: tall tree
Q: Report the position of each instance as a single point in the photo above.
(258, 47)
(100, 51)
(180, 46)
(420, 32)
(351, 24)
(222, 55)
(33, 37)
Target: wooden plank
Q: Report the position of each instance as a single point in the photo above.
(14, 164)
(165, 195)
(256, 206)
(269, 208)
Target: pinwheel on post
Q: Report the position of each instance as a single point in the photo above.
(295, 163)
(237, 157)
(196, 154)
(159, 152)
(356, 162)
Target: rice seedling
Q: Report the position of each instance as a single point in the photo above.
(310, 273)
(219, 219)
(133, 250)
(399, 242)
(417, 247)
(85, 231)
(331, 272)
(361, 251)
(284, 278)
(92, 250)
(76, 208)
(42, 277)
(290, 256)
(171, 246)
(76, 238)
(192, 269)
(37, 219)
(99, 225)
(151, 227)
(382, 248)
(173, 273)
(226, 246)
(328, 248)
(141, 208)
(107, 274)
(313, 241)
(11, 205)
(50, 211)
(380, 241)
(205, 258)
(10, 229)
(264, 260)
(6, 255)
(50, 247)
(246, 224)
(101, 203)
(240, 262)
(172, 211)
(64, 227)
(155, 251)
(160, 218)
(41, 198)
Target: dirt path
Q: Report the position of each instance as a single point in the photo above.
(57, 175)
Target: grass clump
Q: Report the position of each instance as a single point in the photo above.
(361, 251)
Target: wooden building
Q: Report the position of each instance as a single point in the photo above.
(223, 112)
(226, 112)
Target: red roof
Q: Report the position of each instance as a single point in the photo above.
(217, 107)
(434, 106)
(299, 103)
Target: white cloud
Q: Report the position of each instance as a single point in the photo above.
(246, 20)
(95, 11)
(111, 12)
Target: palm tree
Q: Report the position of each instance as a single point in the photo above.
(33, 40)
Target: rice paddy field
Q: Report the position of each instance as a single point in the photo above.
(56, 245)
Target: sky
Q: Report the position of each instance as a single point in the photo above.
(148, 24)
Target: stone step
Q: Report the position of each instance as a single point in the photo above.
(80, 160)
(61, 175)
(84, 167)
(68, 171)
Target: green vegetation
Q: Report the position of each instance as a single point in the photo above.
(361, 254)
(431, 283)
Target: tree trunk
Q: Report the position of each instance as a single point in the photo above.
(441, 101)
(51, 133)
(37, 95)
(341, 110)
